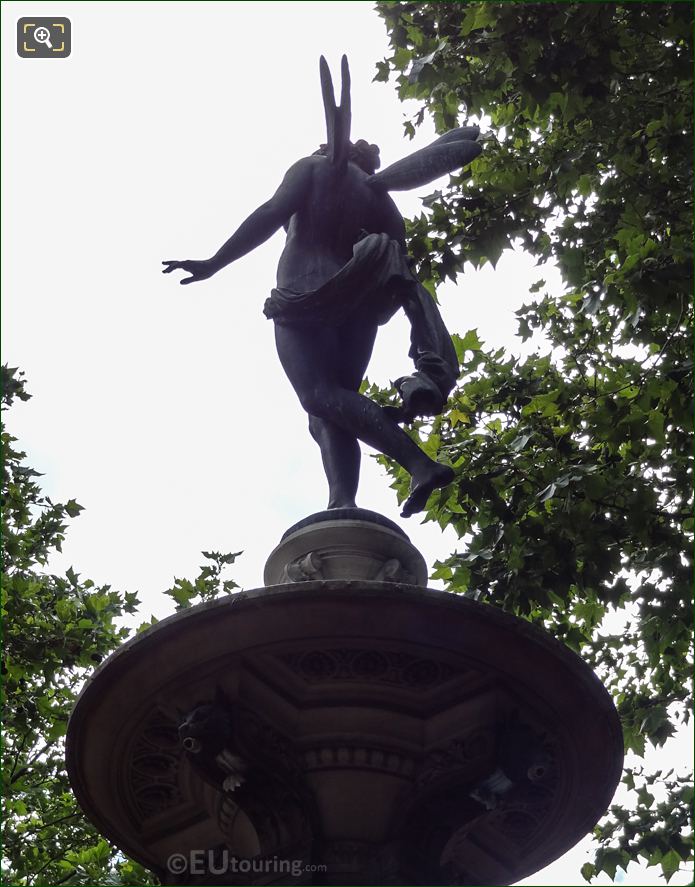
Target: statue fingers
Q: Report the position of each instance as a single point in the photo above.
(171, 264)
(196, 275)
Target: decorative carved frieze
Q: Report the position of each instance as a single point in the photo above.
(152, 771)
(360, 757)
(380, 666)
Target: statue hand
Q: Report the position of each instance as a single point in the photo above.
(198, 269)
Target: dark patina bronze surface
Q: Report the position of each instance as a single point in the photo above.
(343, 272)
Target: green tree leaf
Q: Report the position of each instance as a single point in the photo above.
(575, 466)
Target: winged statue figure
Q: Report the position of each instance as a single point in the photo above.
(345, 271)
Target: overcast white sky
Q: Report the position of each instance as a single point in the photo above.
(163, 409)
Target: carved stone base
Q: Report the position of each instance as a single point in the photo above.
(345, 543)
(344, 732)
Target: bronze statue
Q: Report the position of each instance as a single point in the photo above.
(343, 272)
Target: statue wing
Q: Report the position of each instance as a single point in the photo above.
(338, 117)
(454, 149)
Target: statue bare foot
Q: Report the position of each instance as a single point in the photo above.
(423, 484)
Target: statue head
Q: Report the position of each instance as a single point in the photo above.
(361, 153)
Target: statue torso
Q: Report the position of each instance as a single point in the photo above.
(336, 211)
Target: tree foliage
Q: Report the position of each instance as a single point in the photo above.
(208, 584)
(574, 478)
(56, 630)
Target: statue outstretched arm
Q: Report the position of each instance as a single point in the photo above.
(451, 151)
(256, 229)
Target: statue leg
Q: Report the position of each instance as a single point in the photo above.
(319, 363)
(340, 454)
(340, 451)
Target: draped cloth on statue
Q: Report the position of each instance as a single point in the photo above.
(375, 283)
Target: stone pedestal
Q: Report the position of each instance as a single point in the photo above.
(346, 543)
(344, 728)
